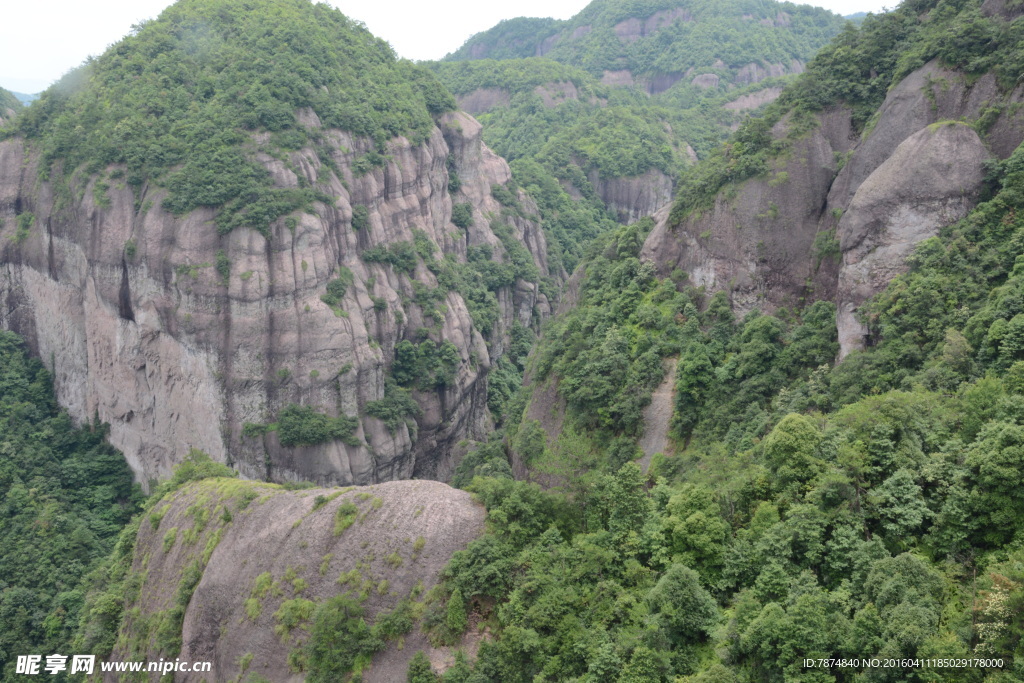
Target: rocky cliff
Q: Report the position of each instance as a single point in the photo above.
(837, 215)
(684, 69)
(253, 565)
(126, 304)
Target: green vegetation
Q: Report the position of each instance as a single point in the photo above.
(337, 287)
(345, 516)
(177, 101)
(462, 215)
(732, 32)
(396, 408)
(426, 365)
(303, 426)
(8, 101)
(24, 221)
(341, 642)
(856, 70)
(401, 255)
(865, 509)
(65, 495)
(562, 128)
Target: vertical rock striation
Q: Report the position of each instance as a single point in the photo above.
(130, 308)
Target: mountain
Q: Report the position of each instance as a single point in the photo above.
(9, 106)
(26, 98)
(660, 42)
(785, 410)
(288, 254)
(777, 422)
(329, 562)
(616, 102)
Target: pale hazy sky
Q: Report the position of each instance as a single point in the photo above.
(41, 41)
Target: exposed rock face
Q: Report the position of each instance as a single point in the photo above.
(706, 81)
(658, 83)
(554, 94)
(620, 77)
(755, 73)
(123, 303)
(932, 179)
(757, 245)
(658, 416)
(1008, 10)
(754, 100)
(483, 99)
(633, 29)
(758, 240)
(404, 533)
(630, 199)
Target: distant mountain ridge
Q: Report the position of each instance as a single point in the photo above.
(665, 37)
(600, 114)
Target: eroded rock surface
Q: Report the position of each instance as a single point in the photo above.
(821, 224)
(259, 546)
(932, 179)
(123, 302)
(632, 198)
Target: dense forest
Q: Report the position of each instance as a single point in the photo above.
(8, 101)
(812, 510)
(660, 119)
(210, 72)
(735, 33)
(807, 509)
(66, 495)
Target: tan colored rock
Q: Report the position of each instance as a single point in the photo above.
(757, 243)
(633, 29)
(754, 100)
(706, 81)
(554, 94)
(620, 77)
(755, 73)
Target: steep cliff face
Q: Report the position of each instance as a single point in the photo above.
(250, 608)
(177, 336)
(757, 239)
(812, 228)
(819, 202)
(931, 179)
(631, 198)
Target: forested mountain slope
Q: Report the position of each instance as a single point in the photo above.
(798, 507)
(65, 495)
(288, 253)
(615, 102)
(9, 106)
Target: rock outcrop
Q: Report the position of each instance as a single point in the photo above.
(483, 99)
(816, 228)
(932, 179)
(757, 244)
(551, 94)
(754, 100)
(631, 198)
(178, 337)
(257, 547)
